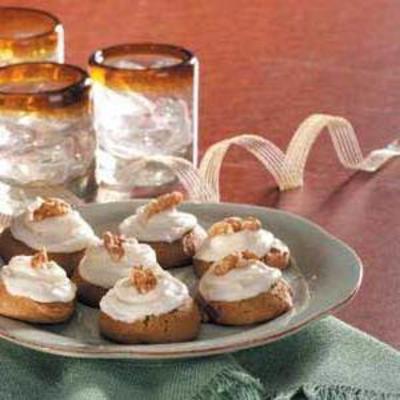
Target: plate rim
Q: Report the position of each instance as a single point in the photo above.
(87, 351)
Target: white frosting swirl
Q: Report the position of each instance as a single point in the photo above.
(239, 283)
(46, 284)
(61, 234)
(258, 242)
(98, 268)
(124, 303)
(166, 226)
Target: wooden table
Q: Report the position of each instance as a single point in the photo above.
(265, 66)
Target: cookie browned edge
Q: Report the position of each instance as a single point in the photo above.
(26, 309)
(178, 253)
(10, 247)
(260, 308)
(88, 293)
(200, 267)
(182, 324)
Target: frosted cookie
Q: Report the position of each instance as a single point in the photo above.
(34, 289)
(174, 235)
(106, 262)
(242, 290)
(49, 223)
(150, 306)
(236, 234)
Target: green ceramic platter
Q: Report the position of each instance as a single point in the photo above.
(325, 274)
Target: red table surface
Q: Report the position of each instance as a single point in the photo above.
(265, 66)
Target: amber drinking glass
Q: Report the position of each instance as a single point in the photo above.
(46, 134)
(145, 104)
(29, 35)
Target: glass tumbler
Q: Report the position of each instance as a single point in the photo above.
(46, 134)
(29, 35)
(145, 100)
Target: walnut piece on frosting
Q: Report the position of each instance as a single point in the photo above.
(234, 224)
(277, 257)
(40, 258)
(143, 279)
(114, 245)
(51, 207)
(162, 203)
(233, 261)
(249, 255)
(251, 224)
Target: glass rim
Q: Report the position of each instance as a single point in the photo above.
(81, 82)
(185, 57)
(55, 23)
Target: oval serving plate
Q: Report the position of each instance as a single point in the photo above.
(325, 274)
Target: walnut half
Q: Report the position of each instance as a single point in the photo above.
(143, 279)
(234, 224)
(51, 207)
(39, 258)
(114, 245)
(162, 203)
(233, 261)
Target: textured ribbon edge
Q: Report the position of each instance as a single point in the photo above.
(288, 169)
(188, 175)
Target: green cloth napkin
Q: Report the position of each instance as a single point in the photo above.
(328, 360)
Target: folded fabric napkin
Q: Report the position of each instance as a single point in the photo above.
(328, 360)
